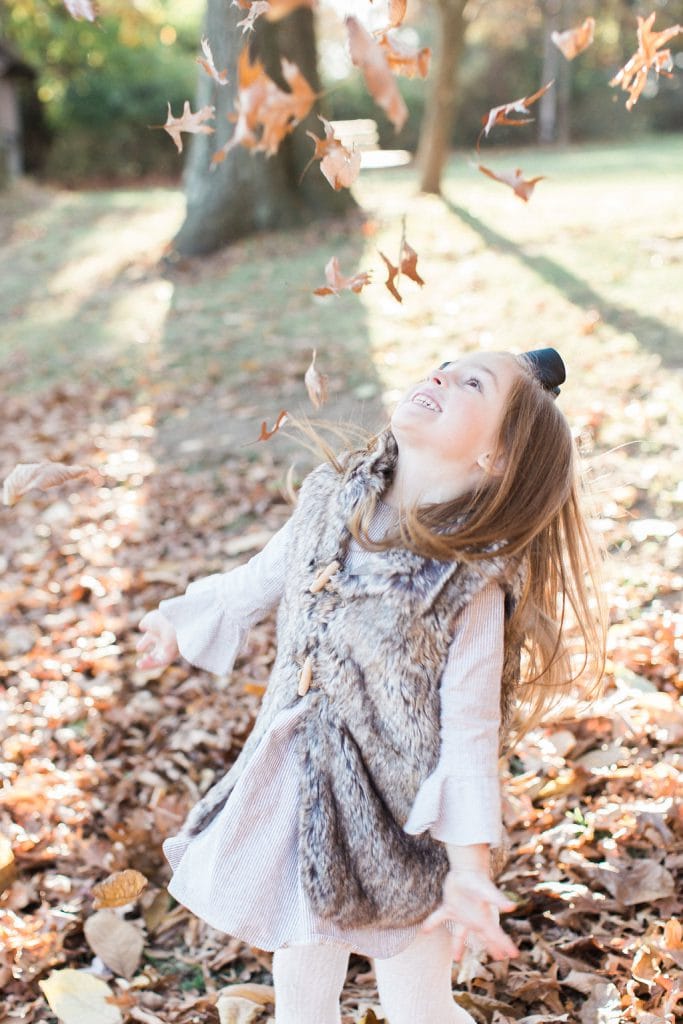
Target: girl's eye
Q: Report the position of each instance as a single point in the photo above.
(475, 381)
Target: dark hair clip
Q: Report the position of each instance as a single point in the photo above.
(548, 368)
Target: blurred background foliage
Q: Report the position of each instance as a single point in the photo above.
(100, 86)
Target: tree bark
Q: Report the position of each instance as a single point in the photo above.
(553, 115)
(250, 192)
(442, 105)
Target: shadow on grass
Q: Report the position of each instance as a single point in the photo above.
(651, 332)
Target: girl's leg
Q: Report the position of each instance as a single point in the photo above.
(415, 985)
(308, 982)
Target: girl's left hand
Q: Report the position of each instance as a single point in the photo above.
(471, 900)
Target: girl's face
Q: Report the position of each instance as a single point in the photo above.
(454, 413)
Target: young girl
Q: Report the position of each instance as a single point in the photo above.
(421, 585)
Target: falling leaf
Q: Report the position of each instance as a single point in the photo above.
(27, 475)
(633, 76)
(409, 263)
(367, 55)
(405, 60)
(80, 9)
(336, 282)
(119, 888)
(79, 998)
(256, 9)
(264, 113)
(499, 115)
(340, 165)
(189, 122)
(393, 271)
(117, 942)
(273, 10)
(265, 433)
(208, 64)
(316, 384)
(575, 40)
(397, 12)
(522, 187)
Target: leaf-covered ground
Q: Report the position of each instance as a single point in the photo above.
(159, 373)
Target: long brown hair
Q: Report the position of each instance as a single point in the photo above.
(536, 508)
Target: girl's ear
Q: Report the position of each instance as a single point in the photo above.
(486, 462)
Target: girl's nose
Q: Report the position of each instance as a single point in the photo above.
(437, 377)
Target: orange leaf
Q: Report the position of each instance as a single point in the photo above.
(207, 63)
(405, 60)
(27, 475)
(118, 889)
(266, 114)
(499, 115)
(336, 282)
(274, 10)
(522, 187)
(367, 55)
(316, 384)
(265, 433)
(340, 165)
(575, 40)
(633, 76)
(188, 122)
(409, 263)
(393, 271)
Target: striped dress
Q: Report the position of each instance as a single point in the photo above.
(240, 874)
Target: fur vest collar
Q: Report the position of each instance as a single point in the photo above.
(373, 646)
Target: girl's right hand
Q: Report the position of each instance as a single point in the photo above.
(158, 646)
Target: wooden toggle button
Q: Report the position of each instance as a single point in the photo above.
(305, 677)
(324, 576)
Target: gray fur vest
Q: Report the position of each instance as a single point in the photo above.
(377, 642)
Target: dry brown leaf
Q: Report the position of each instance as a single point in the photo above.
(575, 40)
(499, 115)
(405, 60)
(316, 384)
(522, 187)
(117, 942)
(253, 990)
(8, 868)
(27, 475)
(256, 9)
(80, 9)
(393, 271)
(273, 10)
(339, 165)
(633, 76)
(264, 114)
(367, 55)
(207, 63)
(237, 1010)
(336, 282)
(80, 998)
(189, 122)
(409, 263)
(280, 421)
(119, 888)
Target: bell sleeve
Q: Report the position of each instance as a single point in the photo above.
(460, 802)
(213, 617)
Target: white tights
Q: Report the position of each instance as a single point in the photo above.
(414, 986)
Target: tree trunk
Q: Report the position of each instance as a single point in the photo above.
(442, 105)
(250, 192)
(553, 114)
